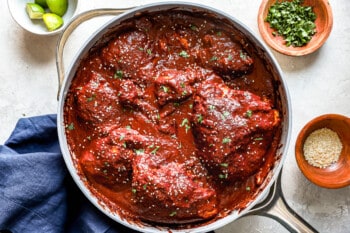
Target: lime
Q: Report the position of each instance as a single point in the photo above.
(52, 21)
(35, 11)
(41, 3)
(58, 7)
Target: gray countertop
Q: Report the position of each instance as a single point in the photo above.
(318, 83)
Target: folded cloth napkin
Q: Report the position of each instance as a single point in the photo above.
(37, 193)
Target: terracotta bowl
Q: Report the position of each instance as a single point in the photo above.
(336, 175)
(324, 24)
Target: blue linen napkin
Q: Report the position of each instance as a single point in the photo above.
(37, 193)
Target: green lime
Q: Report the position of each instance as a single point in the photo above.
(58, 7)
(41, 3)
(52, 21)
(35, 11)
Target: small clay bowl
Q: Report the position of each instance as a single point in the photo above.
(337, 175)
(324, 24)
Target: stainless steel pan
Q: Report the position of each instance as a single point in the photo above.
(269, 202)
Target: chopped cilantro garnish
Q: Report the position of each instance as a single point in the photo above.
(199, 118)
(172, 214)
(226, 140)
(91, 98)
(118, 74)
(164, 88)
(183, 53)
(154, 151)
(214, 58)
(184, 122)
(249, 113)
(139, 151)
(70, 126)
(294, 22)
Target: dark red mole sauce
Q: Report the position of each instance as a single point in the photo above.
(174, 120)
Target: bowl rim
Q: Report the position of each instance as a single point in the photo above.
(293, 51)
(318, 175)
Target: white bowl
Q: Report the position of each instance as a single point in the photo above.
(18, 11)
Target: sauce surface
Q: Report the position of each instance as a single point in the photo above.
(174, 120)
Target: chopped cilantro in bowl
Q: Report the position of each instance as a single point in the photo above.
(294, 22)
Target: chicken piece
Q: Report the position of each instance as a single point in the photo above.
(232, 129)
(127, 54)
(96, 101)
(226, 57)
(131, 96)
(108, 160)
(174, 86)
(170, 190)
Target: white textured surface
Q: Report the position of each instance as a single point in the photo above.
(318, 83)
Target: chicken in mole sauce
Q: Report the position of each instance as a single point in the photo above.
(173, 119)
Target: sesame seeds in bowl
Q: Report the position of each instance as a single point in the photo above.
(322, 148)
(322, 151)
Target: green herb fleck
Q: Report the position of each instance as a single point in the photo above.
(223, 176)
(154, 151)
(184, 54)
(187, 128)
(91, 98)
(225, 115)
(172, 214)
(144, 186)
(139, 151)
(184, 122)
(194, 27)
(70, 126)
(133, 190)
(224, 164)
(118, 74)
(258, 139)
(164, 88)
(199, 118)
(149, 51)
(226, 140)
(249, 113)
(213, 58)
(247, 188)
(243, 55)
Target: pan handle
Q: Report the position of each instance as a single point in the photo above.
(77, 20)
(275, 206)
